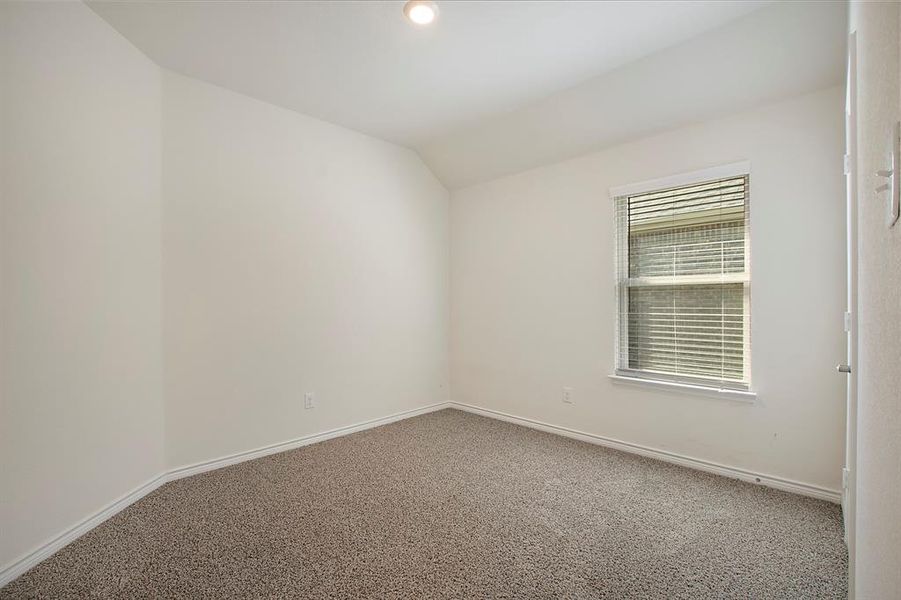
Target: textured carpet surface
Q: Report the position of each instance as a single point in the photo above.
(452, 505)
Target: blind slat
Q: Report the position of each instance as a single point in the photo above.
(684, 286)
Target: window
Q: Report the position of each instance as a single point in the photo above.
(683, 283)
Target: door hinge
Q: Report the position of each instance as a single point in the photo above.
(847, 322)
(847, 164)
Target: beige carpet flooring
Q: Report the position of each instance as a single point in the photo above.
(453, 505)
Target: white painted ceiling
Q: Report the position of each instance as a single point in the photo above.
(485, 71)
(778, 52)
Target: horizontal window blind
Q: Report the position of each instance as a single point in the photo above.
(683, 284)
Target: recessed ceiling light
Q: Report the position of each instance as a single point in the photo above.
(421, 12)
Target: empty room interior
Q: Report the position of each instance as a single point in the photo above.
(450, 299)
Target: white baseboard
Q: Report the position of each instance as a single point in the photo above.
(211, 465)
(23, 564)
(20, 565)
(779, 483)
(26, 562)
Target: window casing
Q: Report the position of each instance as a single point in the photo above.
(683, 284)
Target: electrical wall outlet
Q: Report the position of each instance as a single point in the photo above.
(567, 395)
(309, 401)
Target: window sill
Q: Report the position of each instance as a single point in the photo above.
(698, 390)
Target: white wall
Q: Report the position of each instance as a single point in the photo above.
(878, 542)
(81, 413)
(298, 256)
(533, 299)
(163, 237)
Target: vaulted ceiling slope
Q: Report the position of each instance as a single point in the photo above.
(495, 87)
(777, 52)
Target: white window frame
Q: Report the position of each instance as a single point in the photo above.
(736, 169)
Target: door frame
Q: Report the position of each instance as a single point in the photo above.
(849, 473)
